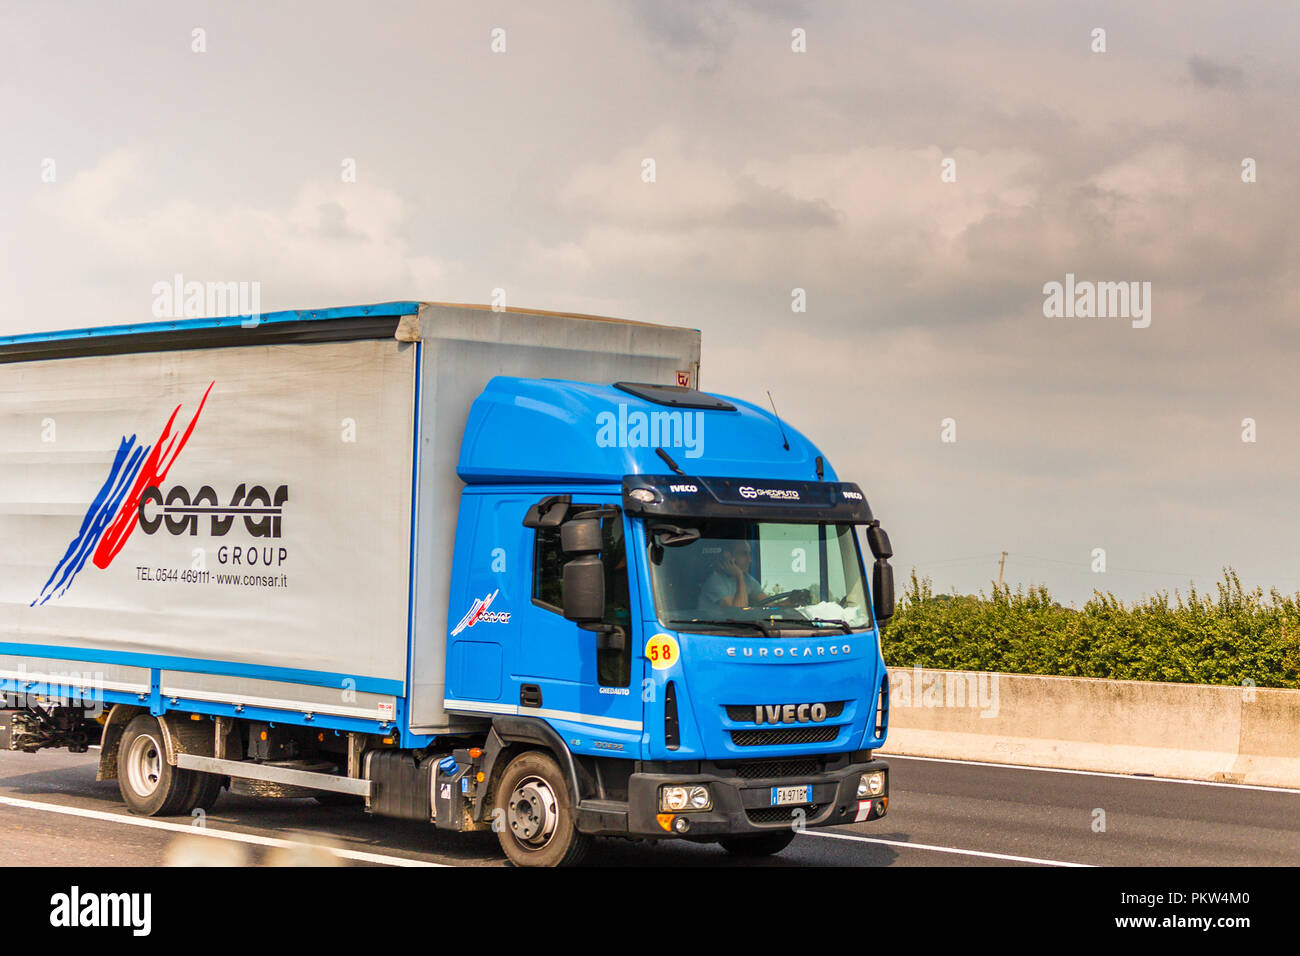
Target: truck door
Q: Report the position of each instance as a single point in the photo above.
(585, 684)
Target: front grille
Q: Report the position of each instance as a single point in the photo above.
(786, 815)
(744, 713)
(757, 769)
(792, 735)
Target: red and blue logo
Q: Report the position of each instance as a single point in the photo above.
(479, 612)
(114, 513)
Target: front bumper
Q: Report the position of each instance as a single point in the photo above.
(743, 806)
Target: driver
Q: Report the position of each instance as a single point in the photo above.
(731, 584)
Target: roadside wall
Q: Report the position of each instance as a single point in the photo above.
(1192, 731)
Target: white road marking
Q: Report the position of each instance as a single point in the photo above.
(1093, 773)
(208, 831)
(942, 849)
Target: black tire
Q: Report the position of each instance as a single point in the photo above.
(207, 788)
(151, 786)
(539, 825)
(765, 844)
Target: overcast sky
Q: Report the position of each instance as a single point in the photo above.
(774, 170)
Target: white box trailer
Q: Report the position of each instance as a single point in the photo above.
(295, 554)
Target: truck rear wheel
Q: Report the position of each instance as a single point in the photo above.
(151, 786)
(766, 844)
(207, 787)
(538, 827)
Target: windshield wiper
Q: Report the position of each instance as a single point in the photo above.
(812, 620)
(760, 625)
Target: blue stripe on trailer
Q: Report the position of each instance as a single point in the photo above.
(194, 665)
(395, 728)
(225, 322)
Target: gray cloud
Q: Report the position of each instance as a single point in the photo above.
(765, 208)
(1208, 73)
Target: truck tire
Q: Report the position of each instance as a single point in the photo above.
(540, 828)
(766, 844)
(207, 787)
(151, 786)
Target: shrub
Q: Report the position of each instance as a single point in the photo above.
(1230, 637)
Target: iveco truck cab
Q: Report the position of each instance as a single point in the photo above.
(669, 585)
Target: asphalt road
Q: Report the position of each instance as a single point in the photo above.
(941, 813)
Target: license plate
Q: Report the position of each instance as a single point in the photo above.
(784, 796)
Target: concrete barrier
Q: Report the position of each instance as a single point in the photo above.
(1189, 731)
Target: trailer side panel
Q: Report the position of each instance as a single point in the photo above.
(236, 519)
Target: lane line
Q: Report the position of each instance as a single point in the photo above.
(943, 849)
(1094, 773)
(208, 831)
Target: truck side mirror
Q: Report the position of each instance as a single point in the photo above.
(878, 541)
(581, 536)
(584, 590)
(882, 590)
(584, 572)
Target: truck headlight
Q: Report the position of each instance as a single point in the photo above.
(677, 799)
(871, 784)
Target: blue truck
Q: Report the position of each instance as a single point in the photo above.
(485, 568)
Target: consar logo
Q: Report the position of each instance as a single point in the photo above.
(260, 510)
(790, 714)
(479, 614)
(113, 513)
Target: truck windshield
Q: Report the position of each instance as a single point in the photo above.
(758, 575)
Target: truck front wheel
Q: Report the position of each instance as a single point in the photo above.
(150, 785)
(537, 826)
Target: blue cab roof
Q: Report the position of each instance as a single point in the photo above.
(543, 430)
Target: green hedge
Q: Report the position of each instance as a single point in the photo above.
(1229, 638)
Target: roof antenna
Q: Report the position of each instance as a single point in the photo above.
(784, 440)
(821, 469)
(671, 464)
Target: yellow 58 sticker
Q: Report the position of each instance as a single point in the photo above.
(663, 651)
